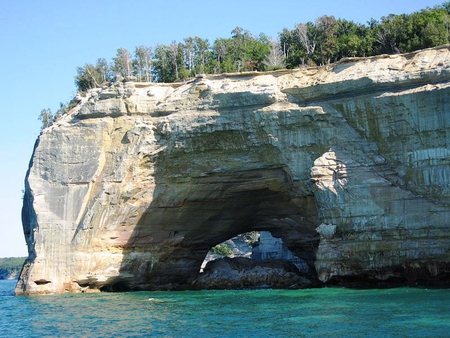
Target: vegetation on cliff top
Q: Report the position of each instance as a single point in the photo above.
(313, 43)
(323, 41)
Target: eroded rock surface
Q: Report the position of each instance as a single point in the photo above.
(348, 164)
(242, 273)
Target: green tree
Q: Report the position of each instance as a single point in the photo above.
(352, 39)
(46, 117)
(88, 77)
(387, 35)
(327, 42)
(446, 6)
(241, 52)
(222, 249)
(202, 55)
(122, 63)
(431, 26)
(169, 63)
(293, 50)
(222, 61)
(142, 63)
(103, 71)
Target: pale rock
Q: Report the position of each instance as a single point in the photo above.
(132, 188)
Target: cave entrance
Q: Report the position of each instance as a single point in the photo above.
(254, 260)
(257, 246)
(191, 217)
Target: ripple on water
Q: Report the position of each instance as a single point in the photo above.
(402, 312)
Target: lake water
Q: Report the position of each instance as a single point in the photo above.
(328, 312)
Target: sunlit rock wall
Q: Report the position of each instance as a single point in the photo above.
(348, 164)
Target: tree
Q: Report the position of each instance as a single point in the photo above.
(88, 77)
(275, 58)
(446, 6)
(352, 39)
(142, 63)
(189, 54)
(316, 43)
(431, 26)
(161, 70)
(293, 50)
(102, 68)
(258, 50)
(202, 55)
(169, 63)
(387, 35)
(327, 41)
(122, 63)
(46, 117)
(242, 52)
(220, 55)
(308, 37)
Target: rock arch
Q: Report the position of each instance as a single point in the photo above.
(132, 187)
(223, 206)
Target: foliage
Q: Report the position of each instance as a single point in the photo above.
(48, 118)
(142, 63)
(10, 265)
(222, 249)
(323, 41)
(122, 63)
(92, 76)
(251, 237)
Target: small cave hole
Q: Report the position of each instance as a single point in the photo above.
(42, 281)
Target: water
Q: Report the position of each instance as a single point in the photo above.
(329, 312)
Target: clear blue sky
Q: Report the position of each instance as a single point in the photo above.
(44, 41)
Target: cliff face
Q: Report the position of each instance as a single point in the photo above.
(348, 164)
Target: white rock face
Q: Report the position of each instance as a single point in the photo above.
(133, 187)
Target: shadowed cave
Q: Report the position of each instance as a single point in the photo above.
(187, 219)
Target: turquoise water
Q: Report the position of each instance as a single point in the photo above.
(329, 312)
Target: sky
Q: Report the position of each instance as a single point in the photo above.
(43, 42)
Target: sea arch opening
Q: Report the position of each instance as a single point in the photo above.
(254, 260)
(188, 218)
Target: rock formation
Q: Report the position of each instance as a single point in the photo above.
(240, 272)
(348, 164)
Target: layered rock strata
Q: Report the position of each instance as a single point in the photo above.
(348, 164)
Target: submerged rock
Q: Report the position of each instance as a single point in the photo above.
(348, 164)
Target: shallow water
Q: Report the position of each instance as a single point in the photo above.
(328, 312)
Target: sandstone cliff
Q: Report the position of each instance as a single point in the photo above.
(348, 164)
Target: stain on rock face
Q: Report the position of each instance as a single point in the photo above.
(349, 166)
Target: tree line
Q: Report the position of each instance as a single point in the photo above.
(323, 41)
(10, 266)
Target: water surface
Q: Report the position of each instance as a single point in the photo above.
(328, 312)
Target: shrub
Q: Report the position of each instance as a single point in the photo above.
(222, 249)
